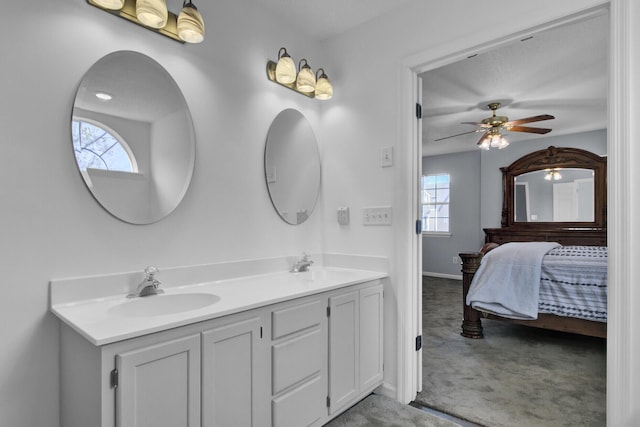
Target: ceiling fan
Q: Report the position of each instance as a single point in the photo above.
(491, 127)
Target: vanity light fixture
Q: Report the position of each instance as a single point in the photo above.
(152, 13)
(187, 27)
(324, 90)
(285, 68)
(304, 82)
(190, 23)
(110, 4)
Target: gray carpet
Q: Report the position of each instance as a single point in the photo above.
(380, 411)
(515, 376)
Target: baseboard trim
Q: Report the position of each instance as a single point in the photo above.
(386, 390)
(443, 275)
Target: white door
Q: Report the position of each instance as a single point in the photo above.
(564, 202)
(159, 385)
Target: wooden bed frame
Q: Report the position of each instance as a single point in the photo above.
(580, 233)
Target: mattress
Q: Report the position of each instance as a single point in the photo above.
(573, 282)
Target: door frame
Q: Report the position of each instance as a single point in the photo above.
(619, 343)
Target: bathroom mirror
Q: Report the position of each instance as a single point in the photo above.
(133, 137)
(292, 166)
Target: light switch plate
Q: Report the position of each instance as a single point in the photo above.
(376, 215)
(386, 157)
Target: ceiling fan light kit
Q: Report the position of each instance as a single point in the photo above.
(492, 137)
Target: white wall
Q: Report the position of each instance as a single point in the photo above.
(51, 227)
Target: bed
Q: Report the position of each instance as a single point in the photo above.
(581, 244)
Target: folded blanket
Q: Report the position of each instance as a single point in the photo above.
(507, 282)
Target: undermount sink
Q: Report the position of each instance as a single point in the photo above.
(158, 305)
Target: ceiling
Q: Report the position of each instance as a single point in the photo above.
(337, 16)
(562, 72)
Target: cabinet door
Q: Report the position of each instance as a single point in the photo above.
(159, 385)
(343, 349)
(371, 348)
(234, 389)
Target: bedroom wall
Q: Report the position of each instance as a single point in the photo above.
(464, 208)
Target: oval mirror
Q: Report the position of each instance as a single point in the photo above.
(292, 166)
(133, 137)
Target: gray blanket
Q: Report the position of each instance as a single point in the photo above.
(507, 282)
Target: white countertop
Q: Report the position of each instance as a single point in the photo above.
(100, 323)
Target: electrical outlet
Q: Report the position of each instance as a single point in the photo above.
(343, 216)
(456, 260)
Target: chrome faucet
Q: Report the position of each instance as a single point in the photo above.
(149, 285)
(302, 264)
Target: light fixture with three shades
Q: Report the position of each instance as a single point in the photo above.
(302, 80)
(187, 27)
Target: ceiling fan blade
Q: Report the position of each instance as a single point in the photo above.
(459, 134)
(539, 118)
(484, 135)
(528, 129)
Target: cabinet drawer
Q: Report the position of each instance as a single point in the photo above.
(296, 359)
(300, 407)
(297, 318)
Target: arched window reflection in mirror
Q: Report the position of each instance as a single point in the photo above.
(96, 146)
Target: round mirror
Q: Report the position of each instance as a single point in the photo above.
(292, 166)
(133, 137)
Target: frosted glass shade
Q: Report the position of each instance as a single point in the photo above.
(152, 13)
(190, 24)
(324, 90)
(110, 4)
(306, 81)
(285, 70)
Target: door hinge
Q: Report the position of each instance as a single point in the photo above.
(418, 110)
(328, 311)
(114, 378)
(418, 342)
(418, 226)
(328, 402)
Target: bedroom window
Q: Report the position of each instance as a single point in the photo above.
(435, 203)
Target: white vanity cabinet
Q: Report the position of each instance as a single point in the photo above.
(212, 373)
(294, 363)
(355, 345)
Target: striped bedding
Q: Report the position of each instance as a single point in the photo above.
(573, 282)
